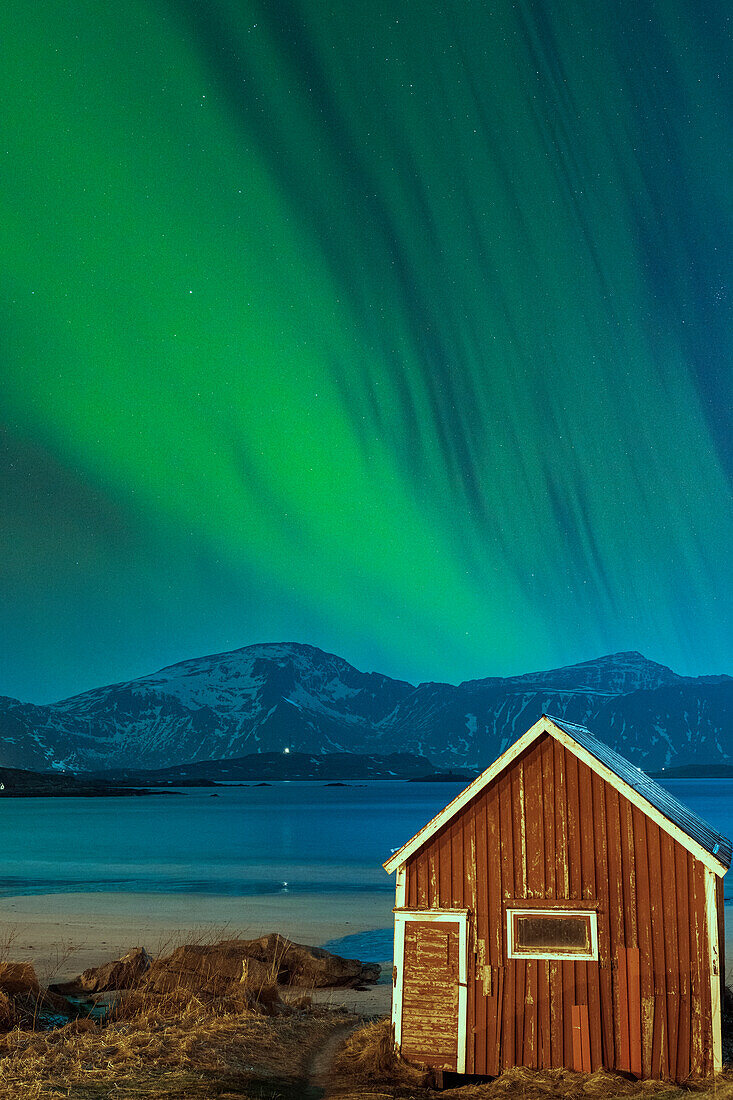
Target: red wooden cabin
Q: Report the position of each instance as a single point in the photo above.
(563, 911)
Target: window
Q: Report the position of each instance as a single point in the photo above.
(552, 934)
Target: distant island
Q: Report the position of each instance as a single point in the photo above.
(695, 771)
(331, 767)
(444, 777)
(261, 769)
(257, 768)
(19, 783)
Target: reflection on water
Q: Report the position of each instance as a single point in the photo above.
(288, 837)
(11, 887)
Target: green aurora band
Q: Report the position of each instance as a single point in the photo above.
(399, 328)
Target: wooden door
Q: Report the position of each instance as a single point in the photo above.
(430, 993)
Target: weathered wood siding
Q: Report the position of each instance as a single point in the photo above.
(430, 994)
(548, 829)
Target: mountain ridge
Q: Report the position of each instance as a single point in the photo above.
(276, 695)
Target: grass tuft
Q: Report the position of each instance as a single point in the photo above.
(365, 1068)
(367, 1055)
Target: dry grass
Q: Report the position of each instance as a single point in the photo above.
(181, 1044)
(249, 1043)
(601, 1085)
(365, 1068)
(367, 1056)
(178, 1047)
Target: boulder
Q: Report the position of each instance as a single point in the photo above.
(255, 975)
(124, 973)
(7, 1013)
(217, 969)
(23, 1001)
(207, 969)
(296, 964)
(18, 979)
(255, 965)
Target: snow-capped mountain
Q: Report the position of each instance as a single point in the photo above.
(265, 698)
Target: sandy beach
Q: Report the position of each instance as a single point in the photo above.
(62, 934)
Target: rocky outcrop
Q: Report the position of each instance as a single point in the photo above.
(211, 970)
(124, 973)
(296, 964)
(19, 979)
(248, 973)
(222, 968)
(24, 1002)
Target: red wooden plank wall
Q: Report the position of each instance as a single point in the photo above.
(549, 829)
(628, 1053)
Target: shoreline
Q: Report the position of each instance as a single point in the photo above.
(63, 934)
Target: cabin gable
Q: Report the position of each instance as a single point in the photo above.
(692, 832)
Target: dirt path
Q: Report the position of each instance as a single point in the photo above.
(319, 1067)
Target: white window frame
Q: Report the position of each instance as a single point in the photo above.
(560, 956)
(441, 916)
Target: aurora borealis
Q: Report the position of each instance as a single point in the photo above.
(399, 328)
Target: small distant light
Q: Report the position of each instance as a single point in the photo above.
(286, 750)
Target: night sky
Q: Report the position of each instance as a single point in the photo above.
(399, 328)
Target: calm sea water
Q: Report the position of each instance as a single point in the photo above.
(284, 838)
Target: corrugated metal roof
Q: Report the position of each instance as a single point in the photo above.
(674, 810)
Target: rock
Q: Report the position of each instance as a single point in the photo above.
(18, 979)
(124, 973)
(7, 1013)
(309, 967)
(55, 1003)
(255, 974)
(208, 969)
(255, 965)
(23, 1001)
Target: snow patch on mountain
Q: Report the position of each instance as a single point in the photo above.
(265, 697)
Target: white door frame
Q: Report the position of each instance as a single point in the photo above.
(440, 916)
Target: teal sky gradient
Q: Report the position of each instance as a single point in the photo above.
(402, 329)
